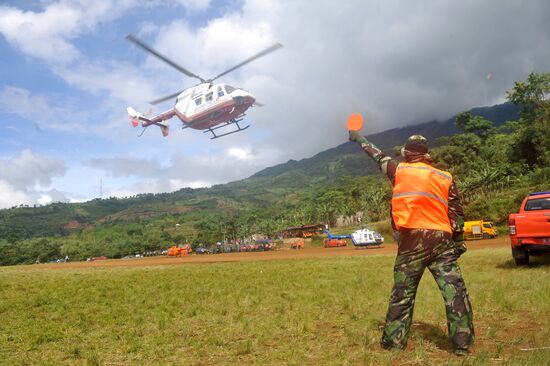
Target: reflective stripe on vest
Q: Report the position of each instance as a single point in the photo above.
(420, 197)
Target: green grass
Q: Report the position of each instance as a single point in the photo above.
(297, 312)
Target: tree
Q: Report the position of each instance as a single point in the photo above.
(330, 205)
(533, 133)
(477, 125)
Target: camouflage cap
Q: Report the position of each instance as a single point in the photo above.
(417, 144)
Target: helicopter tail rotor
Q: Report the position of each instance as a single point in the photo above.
(135, 116)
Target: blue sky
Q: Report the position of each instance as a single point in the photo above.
(67, 75)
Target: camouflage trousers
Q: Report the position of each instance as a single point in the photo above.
(436, 250)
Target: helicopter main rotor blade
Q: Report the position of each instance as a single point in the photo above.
(160, 100)
(275, 47)
(139, 43)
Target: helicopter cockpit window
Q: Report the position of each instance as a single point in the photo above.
(220, 92)
(229, 89)
(198, 101)
(209, 97)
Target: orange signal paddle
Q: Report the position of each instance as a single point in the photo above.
(355, 122)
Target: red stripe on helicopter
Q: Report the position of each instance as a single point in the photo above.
(227, 110)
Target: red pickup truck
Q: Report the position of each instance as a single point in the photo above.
(530, 228)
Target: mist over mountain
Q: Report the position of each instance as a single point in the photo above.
(347, 159)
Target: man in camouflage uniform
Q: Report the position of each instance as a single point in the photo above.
(437, 250)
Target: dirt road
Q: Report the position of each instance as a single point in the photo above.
(255, 256)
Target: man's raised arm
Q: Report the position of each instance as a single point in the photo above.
(386, 164)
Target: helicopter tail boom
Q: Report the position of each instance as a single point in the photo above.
(159, 120)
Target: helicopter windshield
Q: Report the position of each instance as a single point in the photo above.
(229, 89)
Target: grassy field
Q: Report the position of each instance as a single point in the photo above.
(297, 312)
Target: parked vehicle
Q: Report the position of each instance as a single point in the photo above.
(366, 238)
(101, 258)
(333, 241)
(245, 248)
(297, 244)
(360, 238)
(264, 244)
(530, 228)
(201, 250)
(179, 251)
(479, 230)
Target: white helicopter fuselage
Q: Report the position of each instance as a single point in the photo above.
(207, 105)
(202, 107)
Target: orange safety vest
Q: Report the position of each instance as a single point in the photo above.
(421, 197)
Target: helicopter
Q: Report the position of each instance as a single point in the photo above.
(207, 106)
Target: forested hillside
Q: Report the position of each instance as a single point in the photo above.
(497, 154)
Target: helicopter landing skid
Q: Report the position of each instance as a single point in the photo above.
(233, 121)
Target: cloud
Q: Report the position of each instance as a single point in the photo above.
(47, 34)
(195, 5)
(25, 179)
(10, 196)
(29, 170)
(52, 195)
(43, 34)
(180, 170)
(176, 184)
(125, 167)
(240, 154)
(45, 112)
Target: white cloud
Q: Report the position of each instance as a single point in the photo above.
(43, 34)
(44, 111)
(128, 190)
(47, 34)
(176, 184)
(181, 170)
(25, 178)
(44, 199)
(210, 50)
(195, 5)
(9, 196)
(122, 81)
(240, 154)
(53, 195)
(29, 170)
(124, 167)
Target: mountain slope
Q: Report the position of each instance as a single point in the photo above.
(345, 160)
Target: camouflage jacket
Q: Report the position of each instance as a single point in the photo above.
(388, 166)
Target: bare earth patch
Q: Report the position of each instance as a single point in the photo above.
(257, 256)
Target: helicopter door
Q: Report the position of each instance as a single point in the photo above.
(220, 92)
(209, 97)
(196, 104)
(198, 101)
